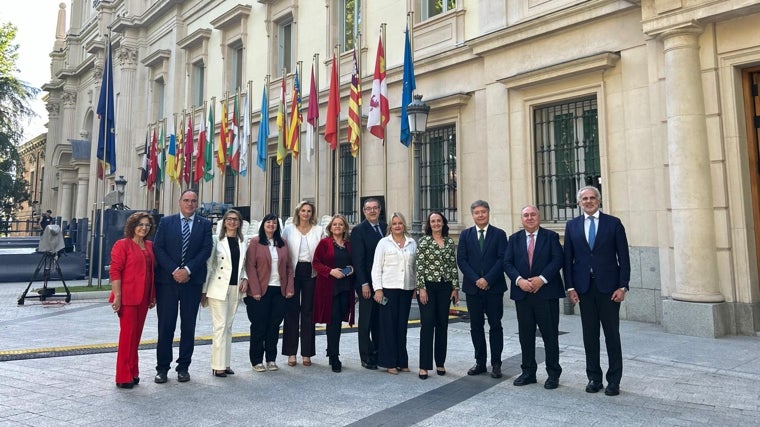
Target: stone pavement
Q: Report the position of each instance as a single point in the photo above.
(57, 368)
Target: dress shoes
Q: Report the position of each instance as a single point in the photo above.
(594, 386)
(307, 361)
(496, 372)
(440, 371)
(369, 365)
(136, 380)
(477, 369)
(229, 371)
(124, 385)
(612, 390)
(160, 378)
(335, 364)
(551, 383)
(183, 376)
(524, 379)
(423, 374)
(292, 361)
(220, 374)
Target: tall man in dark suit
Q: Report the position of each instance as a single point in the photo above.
(181, 246)
(364, 238)
(597, 270)
(480, 257)
(533, 261)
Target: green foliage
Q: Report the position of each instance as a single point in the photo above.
(15, 96)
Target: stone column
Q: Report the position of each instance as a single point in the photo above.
(49, 195)
(125, 151)
(83, 184)
(65, 203)
(691, 199)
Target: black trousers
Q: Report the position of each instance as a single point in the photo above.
(265, 316)
(339, 307)
(535, 311)
(394, 318)
(480, 305)
(174, 299)
(300, 307)
(598, 308)
(368, 328)
(434, 324)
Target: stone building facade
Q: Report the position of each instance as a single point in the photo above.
(653, 101)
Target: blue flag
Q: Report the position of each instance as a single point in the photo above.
(408, 89)
(261, 145)
(107, 130)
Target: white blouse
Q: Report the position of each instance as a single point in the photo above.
(393, 266)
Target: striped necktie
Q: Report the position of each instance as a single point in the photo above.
(185, 237)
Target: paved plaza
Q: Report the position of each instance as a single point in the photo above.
(57, 368)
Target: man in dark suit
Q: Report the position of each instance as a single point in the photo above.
(597, 270)
(480, 257)
(533, 261)
(364, 238)
(182, 245)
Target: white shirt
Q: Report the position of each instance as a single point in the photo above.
(393, 266)
(274, 278)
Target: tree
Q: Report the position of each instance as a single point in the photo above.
(15, 96)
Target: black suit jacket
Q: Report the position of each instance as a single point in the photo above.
(547, 262)
(609, 259)
(488, 264)
(364, 240)
(167, 246)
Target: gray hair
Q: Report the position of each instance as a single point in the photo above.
(479, 203)
(589, 187)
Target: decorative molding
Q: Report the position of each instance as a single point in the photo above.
(69, 99)
(53, 108)
(598, 62)
(238, 15)
(195, 39)
(127, 56)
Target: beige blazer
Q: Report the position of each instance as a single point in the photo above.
(220, 269)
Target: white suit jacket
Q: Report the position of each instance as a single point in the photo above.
(220, 269)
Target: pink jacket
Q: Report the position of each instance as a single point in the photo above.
(258, 266)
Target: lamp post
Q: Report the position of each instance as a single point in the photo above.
(417, 115)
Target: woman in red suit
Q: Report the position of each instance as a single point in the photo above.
(132, 293)
(333, 292)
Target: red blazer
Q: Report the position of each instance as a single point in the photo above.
(128, 265)
(323, 262)
(258, 267)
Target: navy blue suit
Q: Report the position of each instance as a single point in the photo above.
(364, 240)
(595, 274)
(541, 308)
(183, 298)
(488, 264)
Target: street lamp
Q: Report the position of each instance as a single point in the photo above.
(417, 115)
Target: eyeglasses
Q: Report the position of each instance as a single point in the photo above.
(372, 208)
(232, 219)
(144, 225)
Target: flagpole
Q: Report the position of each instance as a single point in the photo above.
(385, 134)
(109, 83)
(249, 170)
(333, 191)
(162, 173)
(315, 140)
(299, 69)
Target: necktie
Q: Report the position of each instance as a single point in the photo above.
(481, 239)
(377, 228)
(591, 232)
(185, 237)
(531, 247)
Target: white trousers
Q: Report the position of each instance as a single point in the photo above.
(222, 315)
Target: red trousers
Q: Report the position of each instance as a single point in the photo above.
(131, 322)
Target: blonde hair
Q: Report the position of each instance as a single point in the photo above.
(223, 228)
(400, 216)
(297, 218)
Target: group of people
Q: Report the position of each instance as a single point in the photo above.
(302, 275)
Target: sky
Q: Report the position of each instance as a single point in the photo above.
(35, 37)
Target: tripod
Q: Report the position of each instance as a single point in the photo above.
(48, 261)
